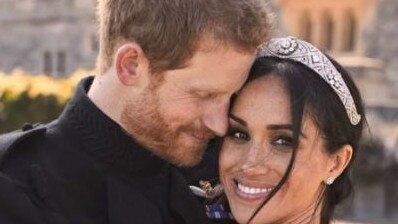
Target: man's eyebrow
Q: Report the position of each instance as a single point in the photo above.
(205, 89)
(237, 119)
(283, 127)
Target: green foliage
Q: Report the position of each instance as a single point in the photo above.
(16, 111)
(26, 98)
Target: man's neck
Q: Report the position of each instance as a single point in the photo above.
(107, 97)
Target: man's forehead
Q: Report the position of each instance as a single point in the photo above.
(216, 87)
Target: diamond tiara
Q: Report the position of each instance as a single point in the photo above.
(313, 58)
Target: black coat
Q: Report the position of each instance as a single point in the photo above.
(83, 168)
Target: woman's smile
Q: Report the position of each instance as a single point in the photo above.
(247, 191)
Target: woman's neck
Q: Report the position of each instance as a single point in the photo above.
(311, 215)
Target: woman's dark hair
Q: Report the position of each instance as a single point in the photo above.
(313, 96)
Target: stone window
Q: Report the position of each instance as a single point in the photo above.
(48, 63)
(328, 31)
(54, 64)
(306, 27)
(350, 34)
(61, 63)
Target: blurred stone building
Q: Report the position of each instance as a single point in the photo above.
(361, 35)
(54, 37)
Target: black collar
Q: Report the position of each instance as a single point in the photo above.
(104, 138)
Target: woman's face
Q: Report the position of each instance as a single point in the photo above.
(257, 151)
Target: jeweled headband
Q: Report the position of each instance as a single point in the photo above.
(313, 58)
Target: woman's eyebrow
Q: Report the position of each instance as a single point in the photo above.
(237, 119)
(280, 126)
(283, 127)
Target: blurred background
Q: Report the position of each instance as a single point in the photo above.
(46, 46)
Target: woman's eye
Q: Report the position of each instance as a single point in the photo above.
(283, 141)
(238, 135)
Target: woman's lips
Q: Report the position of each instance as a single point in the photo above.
(250, 192)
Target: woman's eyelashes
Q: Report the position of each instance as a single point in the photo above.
(238, 134)
(277, 140)
(283, 143)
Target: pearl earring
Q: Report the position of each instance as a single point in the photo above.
(329, 181)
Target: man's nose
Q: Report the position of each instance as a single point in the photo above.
(216, 118)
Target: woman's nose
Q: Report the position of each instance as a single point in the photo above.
(255, 160)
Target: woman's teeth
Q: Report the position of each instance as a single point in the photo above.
(253, 190)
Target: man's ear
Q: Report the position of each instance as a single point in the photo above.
(339, 162)
(130, 63)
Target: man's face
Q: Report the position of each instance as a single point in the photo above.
(176, 117)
